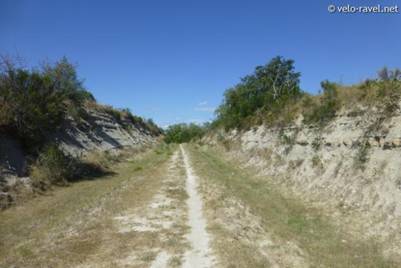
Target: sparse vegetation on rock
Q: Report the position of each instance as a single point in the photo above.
(325, 110)
(272, 96)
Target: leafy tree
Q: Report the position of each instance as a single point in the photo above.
(35, 102)
(268, 89)
(181, 133)
(64, 77)
(35, 106)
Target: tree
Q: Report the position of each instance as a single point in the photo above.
(181, 133)
(35, 102)
(64, 77)
(269, 88)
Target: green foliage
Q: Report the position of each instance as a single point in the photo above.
(64, 77)
(128, 119)
(116, 114)
(152, 127)
(181, 133)
(389, 90)
(34, 102)
(384, 91)
(324, 111)
(268, 89)
(53, 167)
(271, 95)
(33, 106)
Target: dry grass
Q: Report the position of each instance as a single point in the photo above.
(73, 225)
(287, 218)
(355, 98)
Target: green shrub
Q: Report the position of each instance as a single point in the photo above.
(385, 91)
(390, 94)
(152, 127)
(116, 114)
(181, 133)
(271, 95)
(35, 102)
(53, 167)
(128, 120)
(268, 90)
(321, 113)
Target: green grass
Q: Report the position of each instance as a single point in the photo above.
(288, 218)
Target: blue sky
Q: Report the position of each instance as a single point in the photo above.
(172, 60)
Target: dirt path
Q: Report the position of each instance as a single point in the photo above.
(162, 222)
(98, 223)
(172, 222)
(176, 207)
(200, 253)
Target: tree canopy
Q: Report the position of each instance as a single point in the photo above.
(268, 88)
(181, 133)
(35, 102)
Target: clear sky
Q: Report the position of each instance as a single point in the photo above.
(172, 60)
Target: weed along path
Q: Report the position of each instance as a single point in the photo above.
(199, 255)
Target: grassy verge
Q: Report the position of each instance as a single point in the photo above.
(70, 224)
(288, 218)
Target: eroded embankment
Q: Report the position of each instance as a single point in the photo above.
(256, 224)
(350, 168)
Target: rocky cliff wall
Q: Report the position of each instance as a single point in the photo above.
(99, 131)
(351, 167)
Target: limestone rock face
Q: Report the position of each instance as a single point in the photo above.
(351, 166)
(100, 131)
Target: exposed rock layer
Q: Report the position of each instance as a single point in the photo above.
(99, 131)
(351, 167)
